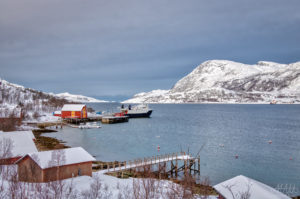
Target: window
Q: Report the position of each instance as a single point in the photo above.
(79, 172)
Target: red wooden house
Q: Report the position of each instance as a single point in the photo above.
(74, 111)
(55, 165)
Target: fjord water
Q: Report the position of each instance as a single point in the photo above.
(225, 130)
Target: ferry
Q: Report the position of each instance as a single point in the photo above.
(141, 110)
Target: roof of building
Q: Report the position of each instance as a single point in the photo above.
(57, 112)
(47, 159)
(73, 107)
(22, 142)
(241, 184)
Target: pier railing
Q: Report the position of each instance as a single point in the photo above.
(167, 163)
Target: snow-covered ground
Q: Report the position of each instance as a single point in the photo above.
(222, 81)
(102, 185)
(244, 187)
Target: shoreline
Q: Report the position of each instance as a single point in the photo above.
(44, 143)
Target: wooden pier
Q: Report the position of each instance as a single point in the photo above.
(114, 119)
(73, 120)
(169, 164)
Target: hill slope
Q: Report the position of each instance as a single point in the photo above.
(78, 98)
(231, 82)
(35, 103)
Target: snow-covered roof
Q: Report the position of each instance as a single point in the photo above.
(47, 159)
(22, 142)
(73, 107)
(241, 184)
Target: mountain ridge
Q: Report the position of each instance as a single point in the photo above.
(35, 104)
(223, 81)
(65, 95)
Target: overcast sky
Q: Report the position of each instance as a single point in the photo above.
(118, 48)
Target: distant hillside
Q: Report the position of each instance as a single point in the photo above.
(35, 103)
(223, 81)
(78, 98)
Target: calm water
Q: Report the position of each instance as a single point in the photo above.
(242, 129)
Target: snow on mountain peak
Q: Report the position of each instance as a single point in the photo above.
(228, 81)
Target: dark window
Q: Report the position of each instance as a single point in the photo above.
(79, 172)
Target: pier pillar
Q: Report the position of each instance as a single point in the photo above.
(172, 167)
(185, 167)
(195, 168)
(190, 166)
(176, 167)
(199, 165)
(134, 166)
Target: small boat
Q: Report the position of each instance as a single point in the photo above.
(141, 110)
(270, 141)
(89, 126)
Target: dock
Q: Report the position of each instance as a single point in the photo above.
(114, 119)
(169, 164)
(74, 120)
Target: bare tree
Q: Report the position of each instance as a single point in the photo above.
(239, 195)
(5, 152)
(174, 191)
(6, 147)
(146, 187)
(57, 187)
(97, 190)
(124, 193)
(70, 191)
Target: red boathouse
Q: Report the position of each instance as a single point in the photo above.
(77, 111)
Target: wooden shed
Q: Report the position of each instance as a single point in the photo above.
(74, 111)
(15, 145)
(55, 165)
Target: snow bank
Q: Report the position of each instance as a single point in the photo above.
(235, 187)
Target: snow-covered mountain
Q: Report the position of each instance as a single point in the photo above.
(78, 98)
(34, 103)
(225, 81)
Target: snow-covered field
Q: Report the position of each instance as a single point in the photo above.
(222, 81)
(98, 186)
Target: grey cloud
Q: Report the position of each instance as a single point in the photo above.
(132, 46)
